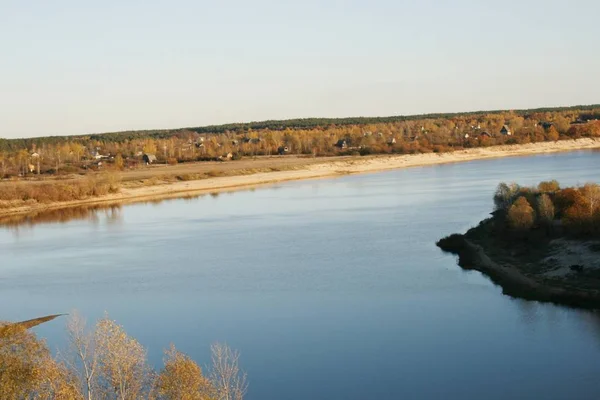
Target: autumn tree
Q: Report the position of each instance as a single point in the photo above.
(27, 369)
(150, 147)
(591, 193)
(504, 195)
(119, 161)
(4, 161)
(181, 379)
(549, 186)
(545, 209)
(230, 382)
(521, 215)
(78, 150)
(83, 358)
(123, 372)
(552, 134)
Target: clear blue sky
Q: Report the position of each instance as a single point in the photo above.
(73, 66)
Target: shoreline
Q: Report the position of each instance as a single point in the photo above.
(512, 280)
(325, 169)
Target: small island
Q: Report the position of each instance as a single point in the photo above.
(541, 243)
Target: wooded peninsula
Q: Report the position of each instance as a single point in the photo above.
(541, 243)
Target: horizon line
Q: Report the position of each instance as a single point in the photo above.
(242, 124)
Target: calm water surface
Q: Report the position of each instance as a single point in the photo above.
(330, 289)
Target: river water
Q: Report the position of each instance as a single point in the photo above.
(330, 289)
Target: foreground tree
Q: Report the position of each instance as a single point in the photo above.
(182, 379)
(27, 369)
(107, 364)
(226, 376)
(83, 358)
(124, 374)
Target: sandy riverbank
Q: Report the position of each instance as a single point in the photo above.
(325, 169)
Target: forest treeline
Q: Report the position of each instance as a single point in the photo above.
(104, 362)
(307, 137)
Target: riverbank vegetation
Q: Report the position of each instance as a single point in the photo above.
(541, 242)
(93, 185)
(573, 211)
(56, 155)
(106, 363)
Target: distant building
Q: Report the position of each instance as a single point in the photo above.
(392, 141)
(341, 144)
(484, 135)
(505, 130)
(149, 158)
(282, 150)
(227, 156)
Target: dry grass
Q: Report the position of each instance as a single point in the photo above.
(12, 193)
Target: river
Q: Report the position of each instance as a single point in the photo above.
(330, 289)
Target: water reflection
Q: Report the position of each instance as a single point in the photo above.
(93, 213)
(112, 214)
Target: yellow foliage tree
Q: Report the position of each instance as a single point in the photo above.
(521, 215)
(182, 379)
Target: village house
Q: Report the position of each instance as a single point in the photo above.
(282, 150)
(505, 130)
(392, 141)
(485, 135)
(341, 144)
(149, 158)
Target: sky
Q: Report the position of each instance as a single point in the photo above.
(74, 66)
